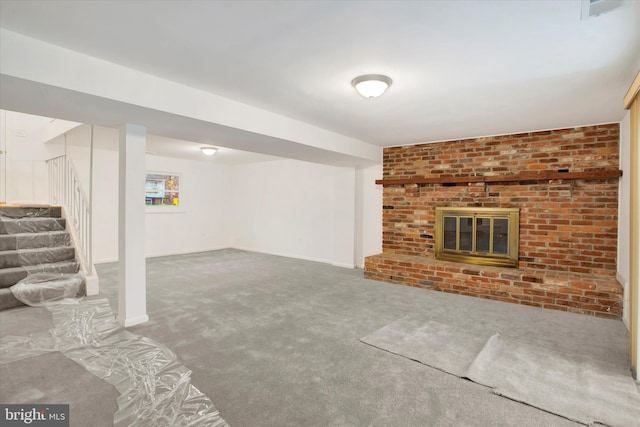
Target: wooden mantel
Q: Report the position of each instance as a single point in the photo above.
(524, 176)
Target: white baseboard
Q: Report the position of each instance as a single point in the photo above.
(192, 251)
(105, 260)
(92, 284)
(132, 321)
(282, 254)
(161, 254)
(302, 257)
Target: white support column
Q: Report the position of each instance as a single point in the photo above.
(3, 156)
(132, 297)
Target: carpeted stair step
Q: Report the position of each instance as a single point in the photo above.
(46, 239)
(11, 276)
(30, 211)
(34, 245)
(51, 289)
(30, 257)
(30, 225)
(7, 300)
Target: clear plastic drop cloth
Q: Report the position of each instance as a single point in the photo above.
(50, 239)
(155, 388)
(29, 211)
(46, 255)
(89, 324)
(40, 289)
(33, 224)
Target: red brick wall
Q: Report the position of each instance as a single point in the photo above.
(568, 228)
(565, 225)
(578, 149)
(579, 293)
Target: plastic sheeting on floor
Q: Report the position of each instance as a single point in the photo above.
(155, 389)
(41, 289)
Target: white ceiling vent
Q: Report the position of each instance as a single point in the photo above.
(596, 7)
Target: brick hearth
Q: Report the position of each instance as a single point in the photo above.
(579, 293)
(568, 227)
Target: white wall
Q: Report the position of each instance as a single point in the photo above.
(105, 204)
(3, 156)
(26, 155)
(368, 231)
(296, 209)
(284, 207)
(623, 213)
(287, 207)
(205, 196)
(75, 144)
(200, 224)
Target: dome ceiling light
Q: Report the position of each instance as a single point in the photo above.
(208, 151)
(371, 85)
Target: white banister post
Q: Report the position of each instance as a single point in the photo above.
(89, 223)
(132, 297)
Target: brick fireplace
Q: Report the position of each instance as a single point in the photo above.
(564, 183)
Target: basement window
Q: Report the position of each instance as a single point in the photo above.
(162, 189)
(485, 236)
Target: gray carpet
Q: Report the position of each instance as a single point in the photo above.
(434, 344)
(569, 384)
(274, 341)
(573, 385)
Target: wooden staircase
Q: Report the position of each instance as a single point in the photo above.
(33, 239)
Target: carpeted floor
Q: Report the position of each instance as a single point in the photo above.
(570, 385)
(567, 383)
(274, 341)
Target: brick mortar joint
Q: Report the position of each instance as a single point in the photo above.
(534, 278)
(564, 302)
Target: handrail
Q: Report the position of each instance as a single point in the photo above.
(65, 189)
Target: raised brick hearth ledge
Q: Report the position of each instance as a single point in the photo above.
(574, 292)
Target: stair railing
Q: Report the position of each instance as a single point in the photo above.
(65, 189)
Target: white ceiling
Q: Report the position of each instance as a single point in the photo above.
(107, 139)
(169, 147)
(460, 68)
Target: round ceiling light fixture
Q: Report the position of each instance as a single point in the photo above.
(371, 85)
(208, 151)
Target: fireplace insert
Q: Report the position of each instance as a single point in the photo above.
(486, 236)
